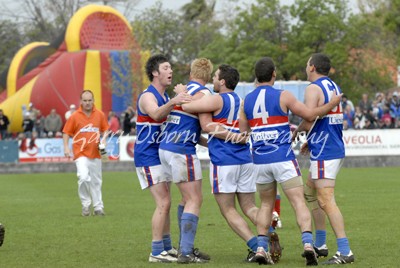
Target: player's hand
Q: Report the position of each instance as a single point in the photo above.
(335, 100)
(181, 98)
(180, 88)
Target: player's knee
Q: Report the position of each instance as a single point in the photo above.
(310, 194)
(326, 200)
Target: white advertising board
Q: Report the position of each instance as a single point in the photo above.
(372, 142)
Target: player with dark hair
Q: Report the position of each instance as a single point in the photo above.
(265, 114)
(326, 156)
(153, 107)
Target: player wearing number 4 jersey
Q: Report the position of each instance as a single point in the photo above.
(326, 152)
(265, 113)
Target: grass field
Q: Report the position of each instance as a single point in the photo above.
(44, 228)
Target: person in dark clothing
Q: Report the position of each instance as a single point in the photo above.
(4, 122)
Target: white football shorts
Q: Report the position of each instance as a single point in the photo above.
(279, 172)
(325, 169)
(232, 179)
(180, 167)
(150, 175)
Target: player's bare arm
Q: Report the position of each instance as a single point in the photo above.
(305, 112)
(313, 97)
(219, 131)
(148, 104)
(243, 122)
(206, 104)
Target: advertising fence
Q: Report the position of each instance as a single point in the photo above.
(357, 143)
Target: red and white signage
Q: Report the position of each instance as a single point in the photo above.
(372, 142)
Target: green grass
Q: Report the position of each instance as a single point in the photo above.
(44, 228)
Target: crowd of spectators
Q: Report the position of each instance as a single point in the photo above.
(381, 112)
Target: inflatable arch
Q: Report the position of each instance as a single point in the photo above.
(97, 52)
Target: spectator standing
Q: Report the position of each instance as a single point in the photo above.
(394, 108)
(346, 102)
(27, 125)
(126, 124)
(72, 109)
(359, 119)
(33, 111)
(364, 104)
(348, 117)
(52, 123)
(113, 121)
(39, 125)
(4, 122)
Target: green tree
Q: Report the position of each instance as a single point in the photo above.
(319, 27)
(159, 30)
(199, 28)
(257, 30)
(10, 39)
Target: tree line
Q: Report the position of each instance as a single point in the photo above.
(363, 45)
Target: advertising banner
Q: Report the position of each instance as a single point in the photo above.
(52, 150)
(372, 142)
(41, 150)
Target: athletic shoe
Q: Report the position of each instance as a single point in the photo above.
(99, 212)
(275, 218)
(2, 233)
(263, 257)
(321, 251)
(340, 259)
(173, 252)
(85, 211)
(274, 247)
(201, 255)
(310, 255)
(162, 257)
(279, 224)
(251, 256)
(190, 258)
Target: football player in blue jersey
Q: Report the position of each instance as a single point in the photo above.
(153, 107)
(231, 162)
(327, 152)
(180, 162)
(265, 113)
